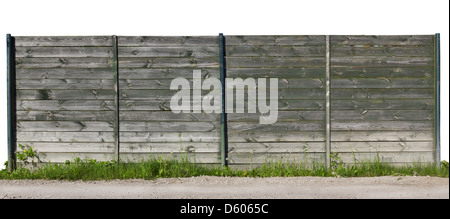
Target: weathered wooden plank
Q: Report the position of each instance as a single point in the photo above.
(167, 116)
(180, 147)
(283, 51)
(385, 115)
(284, 104)
(373, 94)
(42, 73)
(63, 147)
(275, 62)
(409, 51)
(169, 137)
(81, 126)
(382, 146)
(65, 115)
(29, 105)
(169, 126)
(276, 127)
(207, 62)
(170, 51)
(166, 95)
(399, 40)
(67, 52)
(63, 41)
(382, 83)
(261, 158)
(393, 72)
(63, 157)
(287, 136)
(382, 125)
(388, 157)
(368, 136)
(197, 158)
(276, 40)
(276, 72)
(63, 62)
(44, 94)
(64, 84)
(419, 104)
(44, 136)
(376, 61)
(282, 116)
(165, 73)
(165, 84)
(144, 41)
(278, 147)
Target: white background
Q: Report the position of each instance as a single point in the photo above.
(231, 17)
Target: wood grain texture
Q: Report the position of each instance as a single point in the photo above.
(147, 41)
(65, 94)
(64, 73)
(63, 41)
(63, 62)
(399, 40)
(67, 52)
(270, 40)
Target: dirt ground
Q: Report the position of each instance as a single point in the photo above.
(233, 188)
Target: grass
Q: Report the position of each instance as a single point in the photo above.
(162, 168)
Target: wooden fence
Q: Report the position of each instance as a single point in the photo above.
(105, 97)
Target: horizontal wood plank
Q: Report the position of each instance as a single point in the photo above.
(366, 61)
(64, 84)
(389, 72)
(68, 94)
(63, 41)
(287, 136)
(282, 116)
(169, 126)
(276, 72)
(382, 83)
(419, 104)
(80, 126)
(270, 40)
(386, 135)
(168, 137)
(165, 73)
(170, 51)
(283, 51)
(382, 125)
(58, 137)
(208, 62)
(279, 147)
(146, 41)
(274, 62)
(382, 146)
(31, 105)
(383, 51)
(64, 62)
(374, 94)
(60, 147)
(66, 52)
(399, 40)
(180, 147)
(65, 115)
(384, 115)
(276, 127)
(167, 116)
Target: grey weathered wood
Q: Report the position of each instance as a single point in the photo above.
(180, 147)
(269, 40)
(276, 127)
(278, 147)
(399, 40)
(377, 136)
(275, 62)
(197, 158)
(382, 125)
(419, 104)
(64, 84)
(169, 126)
(287, 136)
(208, 62)
(180, 51)
(388, 157)
(167, 116)
(282, 116)
(64, 62)
(169, 137)
(29, 105)
(300, 72)
(283, 51)
(165, 73)
(59, 147)
(367, 61)
(382, 83)
(39, 52)
(404, 94)
(382, 146)
(93, 73)
(66, 94)
(382, 72)
(65, 115)
(383, 51)
(63, 41)
(63, 157)
(145, 41)
(53, 136)
(384, 115)
(81, 126)
(261, 158)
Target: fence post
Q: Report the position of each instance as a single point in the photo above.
(223, 115)
(328, 106)
(437, 46)
(116, 98)
(11, 102)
